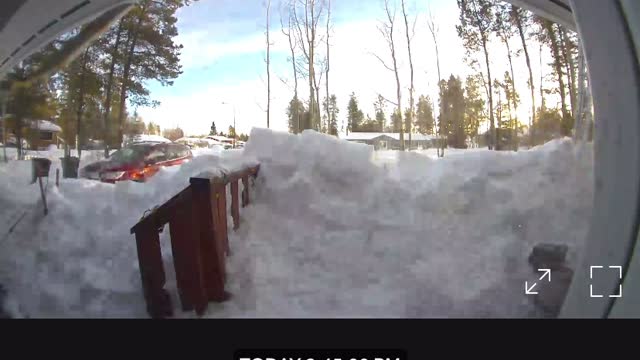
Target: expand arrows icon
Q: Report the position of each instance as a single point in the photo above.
(529, 289)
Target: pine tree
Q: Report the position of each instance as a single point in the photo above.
(424, 116)
(408, 116)
(354, 114)
(213, 130)
(453, 114)
(476, 22)
(79, 93)
(381, 118)
(549, 36)
(396, 122)
(149, 51)
(295, 116)
(331, 109)
(475, 113)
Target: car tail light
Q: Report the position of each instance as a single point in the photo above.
(141, 175)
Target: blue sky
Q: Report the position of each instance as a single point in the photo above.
(224, 50)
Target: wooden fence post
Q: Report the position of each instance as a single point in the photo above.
(221, 196)
(152, 271)
(235, 206)
(245, 190)
(187, 258)
(211, 246)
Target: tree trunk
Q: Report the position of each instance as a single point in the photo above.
(570, 69)
(566, 128)
(509, 107)
(518, 20)
(493, 141)
(107, 103)
(326, 77)
(268, 60)
(319, 125)
(432, 29)
(295, 69)
(311, 42)
(514, 120)
(80, 108)
(542, 102)
(132, 40)
(499, 107)
(579, 111)
(398, 90)
(411, 89)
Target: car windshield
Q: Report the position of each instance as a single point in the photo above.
(130, 154)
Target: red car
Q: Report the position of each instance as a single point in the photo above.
(137, 162)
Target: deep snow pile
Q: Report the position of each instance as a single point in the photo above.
(331, 232)
(80, 260)
(334, 234)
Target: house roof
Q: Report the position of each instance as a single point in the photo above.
(45, 125)
(197, 139)
(148, 138)
(355, 136)
(219, 138)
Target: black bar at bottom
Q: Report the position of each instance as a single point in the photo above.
(320, 354)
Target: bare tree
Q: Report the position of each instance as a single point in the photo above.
(386, 29)
(542, 103)
(518, 18)
(568, 49)
(316, 87)
(412, 88)
(306, 31)
(292, 47)
(434, 29)
(326, 77)
(81, 101)
(552, 33)
(268, 60)
(505, 30)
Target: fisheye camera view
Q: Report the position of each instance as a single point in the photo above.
(319, 159)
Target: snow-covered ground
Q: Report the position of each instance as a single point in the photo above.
(334, 230)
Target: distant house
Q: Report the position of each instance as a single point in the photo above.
(46, 134)
(144, 138)
(39, 135)
(391, 141)
(228, 142)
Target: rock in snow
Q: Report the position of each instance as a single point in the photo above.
(334, 230)
(549, 256)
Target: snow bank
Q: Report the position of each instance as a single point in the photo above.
(332, 232)
(80, 260)
(332, 236)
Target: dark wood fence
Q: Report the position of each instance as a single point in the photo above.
(197, 218)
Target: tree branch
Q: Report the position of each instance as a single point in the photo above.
(387, 100)
(382, 61)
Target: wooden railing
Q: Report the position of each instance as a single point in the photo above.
(197, 218)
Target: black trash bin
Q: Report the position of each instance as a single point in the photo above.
(70, 166)
(40, 168)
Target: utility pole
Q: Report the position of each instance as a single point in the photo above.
(235, 131)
